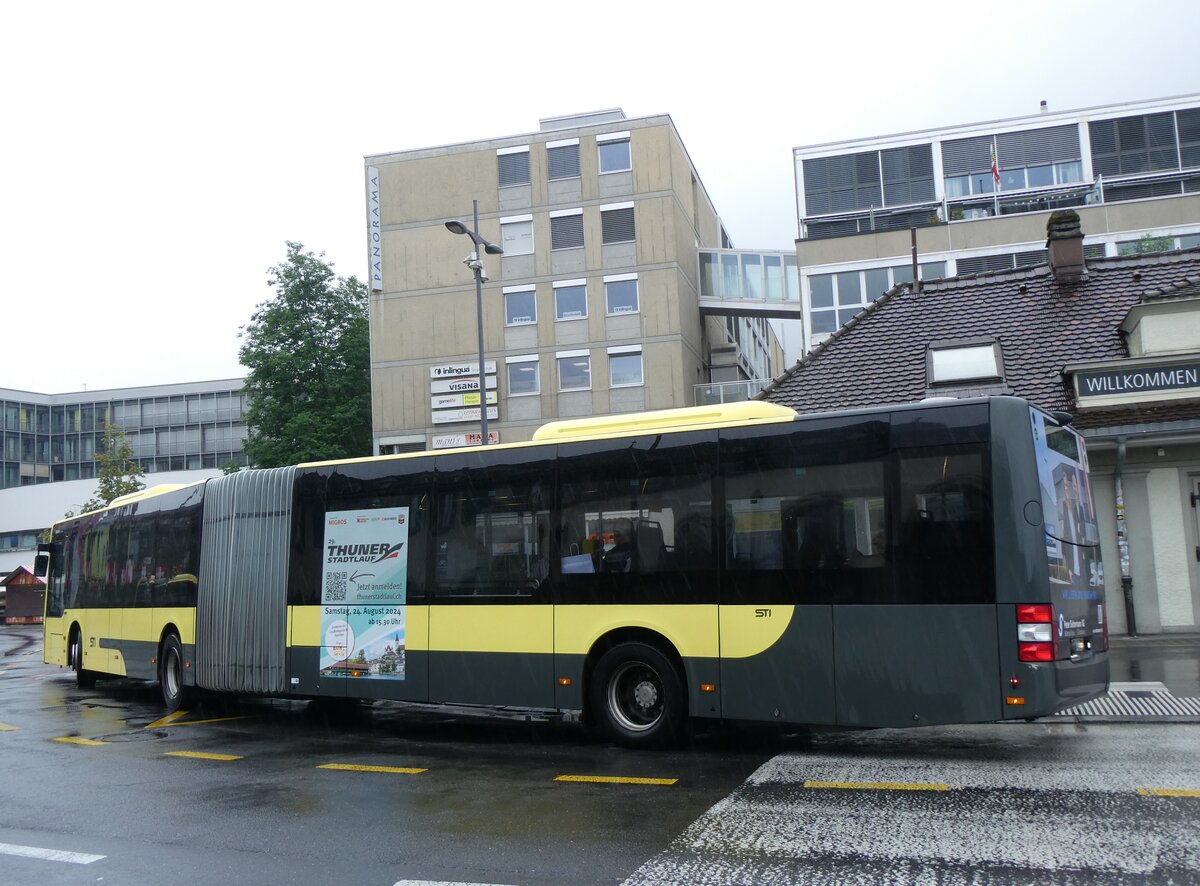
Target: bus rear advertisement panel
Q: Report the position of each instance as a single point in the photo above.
(930, 563)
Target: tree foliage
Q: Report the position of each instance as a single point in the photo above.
(307, 351)
(118, 473)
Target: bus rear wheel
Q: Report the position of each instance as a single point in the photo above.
(170, 674)
(83, 679)
(637, 696)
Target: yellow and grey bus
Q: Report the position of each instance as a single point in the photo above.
(919, 564)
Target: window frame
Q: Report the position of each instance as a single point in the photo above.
(580, 283)
(558, 146)
(560, 356)
(607, 213)
(511, 221)
(531, 291)
(637, 294)
(980, 344)
(620, 351)
(510, 151)
(523, 360)
(567, 213)
(609, 139)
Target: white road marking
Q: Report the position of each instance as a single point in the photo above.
(48, 854)
(775, 830)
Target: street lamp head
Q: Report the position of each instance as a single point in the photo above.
(492, 248)
(457, 227)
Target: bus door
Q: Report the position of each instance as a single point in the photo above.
(805, 508)
(921, 648)
(491, 618)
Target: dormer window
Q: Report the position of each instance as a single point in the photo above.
(965, 361)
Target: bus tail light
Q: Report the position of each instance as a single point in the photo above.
(1035, 632)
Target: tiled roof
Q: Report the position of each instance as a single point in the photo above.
(879, 357)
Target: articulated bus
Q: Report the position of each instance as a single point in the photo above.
(922, 564)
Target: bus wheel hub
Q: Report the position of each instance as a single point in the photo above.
(645, 695)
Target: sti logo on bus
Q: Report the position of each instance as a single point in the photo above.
(762, 613)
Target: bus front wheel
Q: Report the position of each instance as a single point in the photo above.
(83, 679)
(637, 696)
(170, 673)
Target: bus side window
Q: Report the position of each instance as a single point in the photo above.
(491, 537)
(944, 549)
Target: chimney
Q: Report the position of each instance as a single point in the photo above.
(1064, 240)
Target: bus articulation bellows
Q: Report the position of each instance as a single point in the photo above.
(913, 565)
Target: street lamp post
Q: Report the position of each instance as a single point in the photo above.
(475, 263)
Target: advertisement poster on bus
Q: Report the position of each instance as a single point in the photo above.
(1072, 537)
(364, 580)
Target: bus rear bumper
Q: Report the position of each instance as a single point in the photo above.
(1049, 688)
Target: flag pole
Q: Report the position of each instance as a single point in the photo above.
(995, 180)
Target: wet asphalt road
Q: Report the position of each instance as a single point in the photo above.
(480, 801)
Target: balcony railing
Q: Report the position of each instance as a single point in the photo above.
(728, 392)
(970, 207)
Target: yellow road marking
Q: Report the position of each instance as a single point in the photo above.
(167, 720)
(1168, 792)
(877, 785)
(200, 755)
(353, 767)
(615, 779)
(213, 720)
(71, 739)
(4, 727)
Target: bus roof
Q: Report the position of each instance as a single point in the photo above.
(627, 424)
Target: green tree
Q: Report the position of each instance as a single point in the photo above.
(309, 386)
(1146, 244)
(118, 474)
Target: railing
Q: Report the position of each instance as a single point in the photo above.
(968, 207)
(728, 392)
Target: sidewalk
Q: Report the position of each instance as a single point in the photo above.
(1170, 659)
(1154, 678)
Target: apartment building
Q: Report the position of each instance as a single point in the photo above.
(593, 307)
(977, 194)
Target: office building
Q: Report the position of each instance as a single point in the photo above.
(594, 306)
(977, 196)
(178, 432)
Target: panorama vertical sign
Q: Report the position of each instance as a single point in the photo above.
(375, 228)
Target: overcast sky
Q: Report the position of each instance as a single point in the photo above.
(155, 157)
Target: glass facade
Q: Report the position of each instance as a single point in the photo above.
(46, 438)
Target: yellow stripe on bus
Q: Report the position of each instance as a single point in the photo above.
(752, 630)
(4, 727)
(878, 785)
(201, 755)
(692, 629)
(616, 779)
(354, 767)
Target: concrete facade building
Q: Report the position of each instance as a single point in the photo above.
(48, 444)
(594, 306)
(977, 195)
